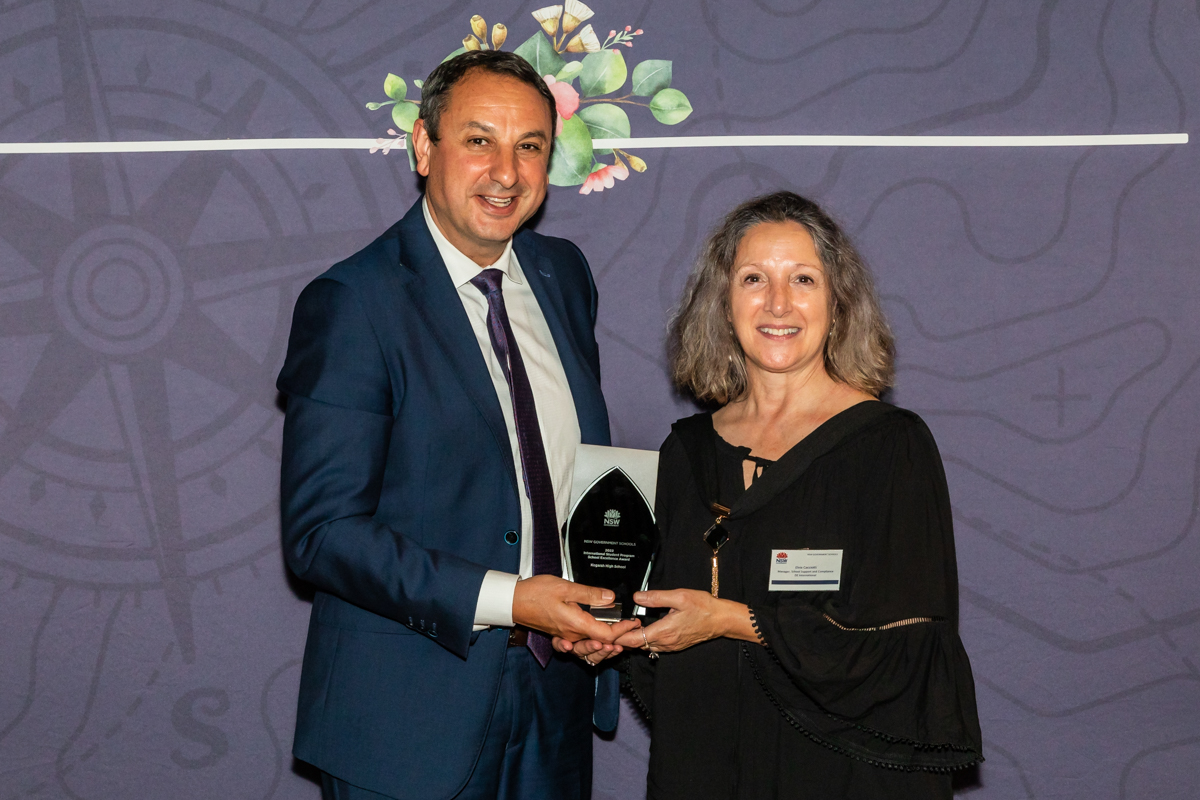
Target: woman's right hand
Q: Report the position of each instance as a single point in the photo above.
(694, 617)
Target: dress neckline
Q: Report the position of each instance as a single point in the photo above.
(742, 455)
(698, 437)
(745, 451)
(741, 451)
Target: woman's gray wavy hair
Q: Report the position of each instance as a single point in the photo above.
(706, 358)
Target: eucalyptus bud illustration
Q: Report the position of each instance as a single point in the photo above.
(584, 42)
(470, 42)
(499, 34)
(575, 13)
(634, 162)
(548, 18)
(479, 27)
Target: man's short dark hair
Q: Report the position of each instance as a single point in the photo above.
(435, 94)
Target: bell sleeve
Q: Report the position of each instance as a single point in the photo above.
(876, 670)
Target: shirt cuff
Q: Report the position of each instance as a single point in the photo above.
(494, 606)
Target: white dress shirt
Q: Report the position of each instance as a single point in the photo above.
(552, 397)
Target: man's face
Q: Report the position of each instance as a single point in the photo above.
(488, 172)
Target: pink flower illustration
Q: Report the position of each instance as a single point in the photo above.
(604, 178)
(397, 140)
(565, 98)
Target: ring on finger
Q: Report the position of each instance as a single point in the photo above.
(648, 647)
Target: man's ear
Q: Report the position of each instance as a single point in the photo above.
(421, 146)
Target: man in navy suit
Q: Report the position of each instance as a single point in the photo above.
(437, 383)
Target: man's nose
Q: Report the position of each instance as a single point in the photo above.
(504, 168)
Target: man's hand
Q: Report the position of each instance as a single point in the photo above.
(593, 651)
(551, 605)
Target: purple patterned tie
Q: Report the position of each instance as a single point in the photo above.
(538, 488)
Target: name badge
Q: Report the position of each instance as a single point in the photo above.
(805, 570)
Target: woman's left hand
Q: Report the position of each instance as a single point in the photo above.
(695, 617)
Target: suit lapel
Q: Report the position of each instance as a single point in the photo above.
(438, 303)
(585, 388)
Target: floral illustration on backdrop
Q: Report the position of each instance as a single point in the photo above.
(596, 108)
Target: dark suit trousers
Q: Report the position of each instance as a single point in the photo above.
(533, 751)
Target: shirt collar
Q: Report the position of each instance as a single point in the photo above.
(461, 268)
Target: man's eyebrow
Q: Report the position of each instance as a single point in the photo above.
(486, 128)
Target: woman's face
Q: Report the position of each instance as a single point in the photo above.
(779, 299)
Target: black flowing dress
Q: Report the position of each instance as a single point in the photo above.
(842, 702)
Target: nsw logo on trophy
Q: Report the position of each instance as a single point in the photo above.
(610, 535)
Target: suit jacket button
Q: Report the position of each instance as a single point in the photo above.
(511, 537)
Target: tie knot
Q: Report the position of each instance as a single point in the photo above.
(488, 281)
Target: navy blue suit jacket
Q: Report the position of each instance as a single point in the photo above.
(398, 487)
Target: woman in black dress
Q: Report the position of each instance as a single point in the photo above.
(782, 674)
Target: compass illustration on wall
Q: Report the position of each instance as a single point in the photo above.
(145, 300)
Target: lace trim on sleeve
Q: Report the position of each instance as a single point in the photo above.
(968, 755)
(897, 624)
(757, 631)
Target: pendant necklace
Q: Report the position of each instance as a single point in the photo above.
(716, 537)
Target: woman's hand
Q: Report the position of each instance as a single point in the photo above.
(695, 617)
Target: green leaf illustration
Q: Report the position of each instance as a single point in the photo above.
(377, 106)
(419, 84)
(538, 51)
(394, 87)
(651, 77)
(457, 52)
(571, 160)
(602, 73)
(569, 71)
(405, 114)
(670, 106)
(605, 121)
(412, 154)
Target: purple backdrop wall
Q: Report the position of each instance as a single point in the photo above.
(1044, 302)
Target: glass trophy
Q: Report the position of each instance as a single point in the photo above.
(610, 538)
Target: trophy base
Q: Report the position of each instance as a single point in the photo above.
(610, 613)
